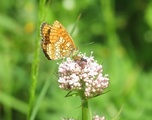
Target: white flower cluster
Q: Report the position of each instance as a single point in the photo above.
(97, 117)
(82, 74)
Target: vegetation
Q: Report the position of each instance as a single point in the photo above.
(118, 32)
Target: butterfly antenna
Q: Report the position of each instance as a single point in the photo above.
(90, 43)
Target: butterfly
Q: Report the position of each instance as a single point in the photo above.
(56, 42)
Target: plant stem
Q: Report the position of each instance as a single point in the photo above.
(85, 110)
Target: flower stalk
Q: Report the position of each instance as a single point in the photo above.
(86, 114)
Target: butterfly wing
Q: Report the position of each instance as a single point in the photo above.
(56, 42)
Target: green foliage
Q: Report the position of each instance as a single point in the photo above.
(122, 36)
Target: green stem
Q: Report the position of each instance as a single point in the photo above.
(35, 64)
(85, 110)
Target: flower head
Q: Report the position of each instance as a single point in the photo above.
(97, 117)
(83, 74)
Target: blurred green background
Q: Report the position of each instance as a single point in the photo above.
(121, 32)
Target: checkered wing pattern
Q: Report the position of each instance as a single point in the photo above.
(56, 42)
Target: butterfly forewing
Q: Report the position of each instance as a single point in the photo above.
(56, 42)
